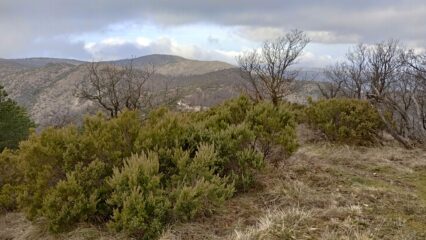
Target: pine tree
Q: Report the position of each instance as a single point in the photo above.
(15, 123)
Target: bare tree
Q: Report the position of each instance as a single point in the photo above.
(384, 68)
(417, 70)
(59, 118)
(393, 80)
(267, 74)
(384, 73)
(355, 84)
(417, 62)
(115, 88)
(347, 78)
(336, 76)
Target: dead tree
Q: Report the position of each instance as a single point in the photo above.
(336, 76)
(355, 84)
(267, 73)
(394, 90)
(347, 79)
(115, 88)
(382, 74)
(393, 80)
(417, 71)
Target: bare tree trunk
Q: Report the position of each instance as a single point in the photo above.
(420, 126)
(393, 132)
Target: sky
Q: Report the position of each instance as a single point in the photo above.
(202, 29)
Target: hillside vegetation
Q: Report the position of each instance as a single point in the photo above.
(254, 167)
(241, 170)
(138, 175)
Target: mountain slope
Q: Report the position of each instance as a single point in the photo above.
(46, 86)
(41, 62)
(175, 65)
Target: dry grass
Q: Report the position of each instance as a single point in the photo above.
(327, 192)
(323, 191)
(14, 226)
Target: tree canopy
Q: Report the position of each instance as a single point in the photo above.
(15, 123)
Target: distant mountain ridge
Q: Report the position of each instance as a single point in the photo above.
(45, 86)
(174, 65)
(165, 64)
(41, 62)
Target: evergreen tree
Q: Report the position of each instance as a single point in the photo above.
(15, 123)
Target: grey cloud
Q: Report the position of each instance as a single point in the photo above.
(105, 51)
(53, 47)
(111, 51)
(266, 33)
(370, 20)
(212, 40)
(22, 21)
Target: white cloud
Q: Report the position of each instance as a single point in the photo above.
(114, 41)
(312, 60)
(332, 37)
(260, 34)
(118, 48)
(142, 41)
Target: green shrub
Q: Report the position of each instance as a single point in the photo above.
(244, 134)
(348, 121)
(232, 112)
(273, 125)
(109, 140)
(140, 175)
(297, 110)
(144, 199)
(10, 177)
(225, 127)
(43, 162)
(79, 198)
(8, 196)
(238, 158)
(140, 203)
(48, 157)
(196, 188)
(163, 132)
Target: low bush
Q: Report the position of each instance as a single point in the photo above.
(297, 110)
(144, 199)
(81, 197)
(197, 189)
(10, 178)
(349, 121)
(139, 201)
(245, 134)
(138, 175)
(273, 126)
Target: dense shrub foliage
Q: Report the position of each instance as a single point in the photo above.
(348, 121)
(10, 178)
(137, 175)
